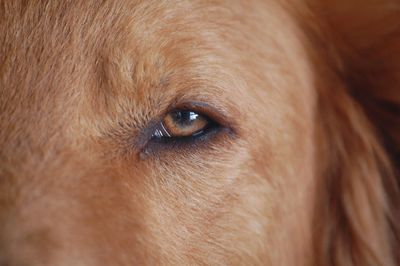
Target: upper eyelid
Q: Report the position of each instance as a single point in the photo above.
(213, 113)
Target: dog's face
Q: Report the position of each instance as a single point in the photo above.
(156, 132)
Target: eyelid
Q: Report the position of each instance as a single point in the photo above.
(216, 114)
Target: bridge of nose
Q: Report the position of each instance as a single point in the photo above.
(37, 210)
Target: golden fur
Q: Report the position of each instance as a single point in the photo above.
(307, 172)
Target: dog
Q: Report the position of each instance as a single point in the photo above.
(259, 132)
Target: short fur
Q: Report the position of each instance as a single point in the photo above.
(306, 171)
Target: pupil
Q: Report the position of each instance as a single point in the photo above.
(185, 118)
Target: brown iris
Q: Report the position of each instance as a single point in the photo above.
(182, 124)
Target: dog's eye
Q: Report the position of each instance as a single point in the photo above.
(183, 124)
(190, 127)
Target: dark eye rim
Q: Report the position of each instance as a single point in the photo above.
(220, 125)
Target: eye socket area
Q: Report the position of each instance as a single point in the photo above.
(183, 124)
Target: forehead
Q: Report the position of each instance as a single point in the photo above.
(56, 55)
(69, 61)
(54, 48)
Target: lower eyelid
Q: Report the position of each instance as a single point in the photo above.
(177, 145)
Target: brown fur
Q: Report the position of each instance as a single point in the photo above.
(306, 172)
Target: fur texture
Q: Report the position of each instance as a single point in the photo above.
(305, 172)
